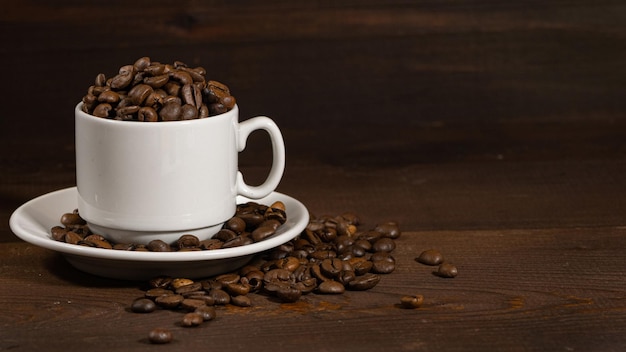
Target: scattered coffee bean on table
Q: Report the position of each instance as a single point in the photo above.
(430, 257)
(447, 270)
(160, 336)
(411, 302)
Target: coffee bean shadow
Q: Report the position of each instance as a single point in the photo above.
(63, 270)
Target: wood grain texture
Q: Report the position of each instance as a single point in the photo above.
(516, 290)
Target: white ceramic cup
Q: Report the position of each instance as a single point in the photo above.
(139, 181)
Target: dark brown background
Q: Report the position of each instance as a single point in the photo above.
(492, 129)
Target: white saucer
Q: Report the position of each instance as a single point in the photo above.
(33, 220)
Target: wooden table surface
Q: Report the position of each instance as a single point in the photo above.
(493, 132)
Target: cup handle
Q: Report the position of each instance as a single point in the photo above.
(278, 156)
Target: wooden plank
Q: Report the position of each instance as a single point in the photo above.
(516, 290)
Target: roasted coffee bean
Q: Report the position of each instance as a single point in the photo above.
(159, 246)
(430, 257)
(156, 81)
(411, 302)
(141, 63)
(220, 296)
(207, 313)
(171, 111)
(364, 282)
(147, 114)
(169, 301)
(58, 233)
(331, 287)
(69, 219)
(160, 282)
(211, 244)
(285, 292)
(191, 304)
(237, 289)
(225, 235)
(228, 278)
(139, 93)
(241, 301)
(192, 287)
(188, 241)
(383, 267)
(143, 305)
(153, 293)
(192, 319)
(188, 112)
(389, 229)
(180, 282)
(160, 336)
(261, 233)
(72, 237)
(447, 270)
(384, 244)
(238, 242)
(288, 263)
(331, 267)
(109, 96)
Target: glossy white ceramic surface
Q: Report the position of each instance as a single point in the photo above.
(138, 181)
(33, 220)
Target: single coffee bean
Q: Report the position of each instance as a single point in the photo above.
(191, 304)
(147, 114)
(169, 301)
(364, 282)
(160, 336)
(411, 302)
(192, 319)
(207, 313)
(384, 244)
(143, 305)
(331, 267)
(261, 233)
(430, 257)
(153, 293)
(286, 293)
(180, 282)
(220, 296)
(188, 241)
(389, 229)
(447, 270)
(139, 93)
(69, 219)
(160, 282)
(192, 287)
(331, 287)
(171, 111)
(72, 237)
(383, 266)
(188, 112)
(158, 246)
(241, 301)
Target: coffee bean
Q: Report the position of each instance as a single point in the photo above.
(207, 313)
(169, 301)
(430, 257)
(364, 282)
(411, 302)
(153, 293)
(143, 305)
(188, 241)
(192, 287)
(191, 304)
(192, 319)
(384, 244)
(160, 336)
(389, 229)
(241, 301)
(331, 287)
(158, 246)
(447, 270)
(220, 296)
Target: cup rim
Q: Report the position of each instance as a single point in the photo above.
(79, 111)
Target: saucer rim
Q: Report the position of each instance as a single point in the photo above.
(297, 220)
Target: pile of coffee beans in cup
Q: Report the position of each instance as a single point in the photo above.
(152, 91)
(252, 222)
